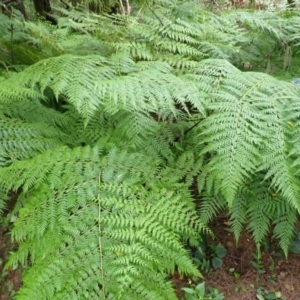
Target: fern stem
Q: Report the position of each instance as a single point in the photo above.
(189, 129)
(100, 233)
(11, 43)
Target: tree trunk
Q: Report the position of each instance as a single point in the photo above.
(43, 8)
(7, 6)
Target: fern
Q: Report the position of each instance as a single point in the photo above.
(128, 228)
(115, 144)
(238, 215)
(210, 207)
(245, 105)
(20, 140)
(284, 222)
(255, 133)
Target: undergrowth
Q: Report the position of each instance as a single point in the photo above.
(126, 134)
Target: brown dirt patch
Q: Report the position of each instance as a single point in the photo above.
(10, 281)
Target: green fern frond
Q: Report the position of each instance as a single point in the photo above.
(238, 215)
(262, 209)
(281, 168)
(136, 127)
(8, 93)
(233, 140)
(286, 217)
(34, 111)
(87, 82)
(20, 140)
(259, 213)
(210, 74)
(73, 76)
(120, 241)
(210, 207)
(112, 123)
(3, 201)
(246, 103)
(261, 21)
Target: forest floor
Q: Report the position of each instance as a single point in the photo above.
(241, 277)
(10, 281)
(244, 277)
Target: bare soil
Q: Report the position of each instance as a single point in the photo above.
(10, 280)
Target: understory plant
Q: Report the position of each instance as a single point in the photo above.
(124, 147)
(199, 293)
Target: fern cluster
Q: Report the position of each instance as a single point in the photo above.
(124, 149)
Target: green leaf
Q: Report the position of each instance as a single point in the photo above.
(216, 262)
(270, 296)
(221, 251)
(189, 291)
(200, 289)
(295, 247)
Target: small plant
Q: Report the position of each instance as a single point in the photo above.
(218, 254)
(206, 258)
(235, 274)
(257, 263)
(198, 293)
(269, 295)
(240, 288)
(264, 294)
(273, 276)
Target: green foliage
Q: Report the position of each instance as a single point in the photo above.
(121, 236)
(125, 135)
(206, 256)
(199, 293)
(295, 246)
(264, 294)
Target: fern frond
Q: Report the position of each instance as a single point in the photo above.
(120, 240)
(73, 76)
(3, 200)
(8, 93)
(91, 81)
(231, 132)
(246, 103)
(261, 21)
(262, 209)
(286, 217)
(281, 168)
(210, 207)
(20, 140)
(238, 215)
(34, 111)
(259, 223)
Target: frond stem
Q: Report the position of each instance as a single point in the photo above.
(189, 129)
(100, 232)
